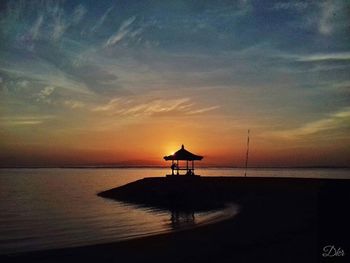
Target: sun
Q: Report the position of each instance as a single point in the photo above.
(169, 149)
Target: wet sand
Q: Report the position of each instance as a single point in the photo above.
(280, 220)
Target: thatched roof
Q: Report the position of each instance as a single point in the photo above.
(183, 154)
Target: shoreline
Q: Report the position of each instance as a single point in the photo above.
(216, 217)
(200, 244)
(288, 221)
(180, 246)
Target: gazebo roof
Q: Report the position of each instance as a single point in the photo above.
(183, 154)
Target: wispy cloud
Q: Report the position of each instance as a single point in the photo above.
(24, 120)
(56, 20)
(59, 25)
(101, 20)
(333, 16)
(44, 74)
(325, 17)
(203, 110)
(328, 11)
(343, 86)
(156, 106)
(74, 104)
(324, 57)
(35, 30)
(294, 5)
(334, 121)
(112, 104)
(78, 14)
(44, 94)
(119, 106)
(63, 21)
(123, 30)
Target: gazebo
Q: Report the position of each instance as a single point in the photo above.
(182, 155)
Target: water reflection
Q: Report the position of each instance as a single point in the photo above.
(187, 219)
(55, 208)
(181, 219)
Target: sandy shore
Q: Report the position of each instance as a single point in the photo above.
(281, 220)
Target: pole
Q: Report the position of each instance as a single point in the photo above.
(247, 155)
(177, 167)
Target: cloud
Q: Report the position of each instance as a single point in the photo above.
(324, 17)
(101, 20)
(204, 110)
(59, 25)
(123, 30)
(44, 94)
(157, 106)
(42, 74)
(74, 104)
(47, 91)
(334, 121)
(333, 15)
(62, 21)
(343, 86)
(297, 5)
(25, 22)
(328, 10)
(23, 83)
(325, 57)
(24, 120)
(112, 104)
(95, 78)
(35, 30)
(131, 107)
(78, 14)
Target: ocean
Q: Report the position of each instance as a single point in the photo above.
(55, 208)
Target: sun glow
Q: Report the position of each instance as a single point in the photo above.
(170, 149)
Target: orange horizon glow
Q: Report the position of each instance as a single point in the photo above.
(217, 151)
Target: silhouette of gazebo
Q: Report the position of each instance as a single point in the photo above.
(182, 155)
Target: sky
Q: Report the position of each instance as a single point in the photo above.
(127, 82)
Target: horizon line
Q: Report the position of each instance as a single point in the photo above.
(162, 166)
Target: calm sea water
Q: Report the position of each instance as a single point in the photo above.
(54, 208)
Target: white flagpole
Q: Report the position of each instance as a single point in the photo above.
(247, 155)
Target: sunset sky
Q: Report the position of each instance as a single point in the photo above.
(127, 82)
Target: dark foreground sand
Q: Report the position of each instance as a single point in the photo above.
(281, 220)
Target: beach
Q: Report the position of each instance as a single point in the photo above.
(280, 220)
